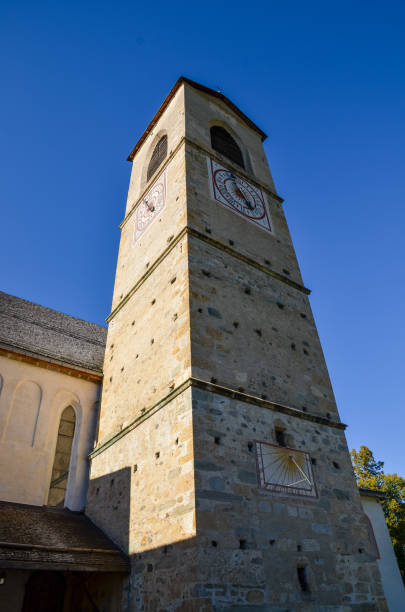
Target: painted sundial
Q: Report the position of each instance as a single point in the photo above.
(238, 194)
(150, 207)
(285, 471)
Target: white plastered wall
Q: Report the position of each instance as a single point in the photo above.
(27, 457)
(390, 576)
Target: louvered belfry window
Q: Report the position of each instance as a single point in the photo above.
(158, 155)
(223, 142)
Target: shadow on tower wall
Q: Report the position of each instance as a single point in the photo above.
(109, 504)
(159, 575)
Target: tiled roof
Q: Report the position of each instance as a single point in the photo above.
(38, 537)
(36, 330)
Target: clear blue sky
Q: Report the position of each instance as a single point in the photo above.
(81, 80)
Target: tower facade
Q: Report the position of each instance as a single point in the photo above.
(221, 465)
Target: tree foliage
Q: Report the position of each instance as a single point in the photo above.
(370, 475)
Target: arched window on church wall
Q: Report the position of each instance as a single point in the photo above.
(372, 537)
(225, 144)
(24, 413)
(158, 156)
(63, 451)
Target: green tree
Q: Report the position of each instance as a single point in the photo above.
(370, 475)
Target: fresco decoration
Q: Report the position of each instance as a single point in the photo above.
(150, 207)
(237, 194)
(284, 471)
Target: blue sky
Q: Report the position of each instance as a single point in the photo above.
(80, 82)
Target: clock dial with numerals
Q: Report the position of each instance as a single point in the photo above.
(150, 207)
(238, 194)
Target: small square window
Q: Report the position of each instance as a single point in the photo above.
(371, 536)
(280, 437)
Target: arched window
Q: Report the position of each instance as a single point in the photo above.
(24, 413)
(63, 451)
(223, 142)
(158, 155)
(373, 540)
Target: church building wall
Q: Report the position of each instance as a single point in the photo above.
(31, 403)
(391, 578)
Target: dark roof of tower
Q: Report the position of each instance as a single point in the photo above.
(204, 89)
(36, 537)
(30, 329)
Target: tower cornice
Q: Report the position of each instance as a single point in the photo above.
(218, 245)
(45, 361)
(203, 385)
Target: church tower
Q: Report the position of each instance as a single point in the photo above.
(221, 466)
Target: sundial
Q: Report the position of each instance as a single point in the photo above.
(285, 471)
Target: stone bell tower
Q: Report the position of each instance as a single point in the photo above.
(221, 465)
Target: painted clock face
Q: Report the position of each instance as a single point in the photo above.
(150, 207)
(238, 194)
(284, 471)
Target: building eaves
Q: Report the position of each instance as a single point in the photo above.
(38, 537)
(371, 493)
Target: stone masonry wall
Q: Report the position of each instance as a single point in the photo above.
(202, 111)
(147, 353)
(136, 259)
(252, 541)
(142, 495)
(171, 123)
(202, 536)
(206, 294)
(274, 251)
(141, 490)
(253, 333)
